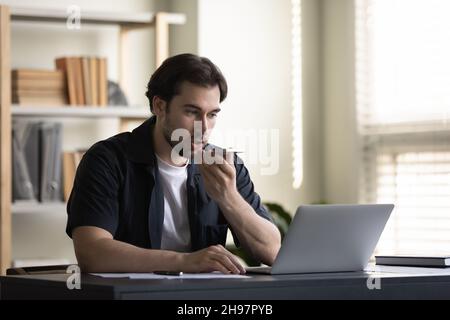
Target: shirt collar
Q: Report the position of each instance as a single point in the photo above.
(140, 147)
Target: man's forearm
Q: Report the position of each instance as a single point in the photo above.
(257, 235)
(108, 255)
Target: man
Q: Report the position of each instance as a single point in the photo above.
(138, 206)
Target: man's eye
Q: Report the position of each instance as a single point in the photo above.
(191, 112)
(213, 115)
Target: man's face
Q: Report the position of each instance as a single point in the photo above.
(193, 104)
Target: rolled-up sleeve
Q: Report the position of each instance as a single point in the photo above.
(94, 197)
(247, 191)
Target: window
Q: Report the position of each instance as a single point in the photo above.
(403, 103)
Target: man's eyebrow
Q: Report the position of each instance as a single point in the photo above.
(198, 108)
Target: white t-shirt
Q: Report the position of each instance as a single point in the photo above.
(176, 234)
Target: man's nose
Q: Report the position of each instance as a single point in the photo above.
(205, 125)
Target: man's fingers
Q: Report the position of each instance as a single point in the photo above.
(218, 156)
(217, 266)
(211, 171)
(233, 259)
(208, 173)
(225, 261)
(233, 267)
(226, 168)
(237, 263)
(211, 157)
(219, 169)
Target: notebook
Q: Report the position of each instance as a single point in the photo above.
(418, 261)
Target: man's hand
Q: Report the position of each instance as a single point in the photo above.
(219, 177)
(213, 258)
(258, 236)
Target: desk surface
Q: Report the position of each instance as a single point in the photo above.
(352, 285)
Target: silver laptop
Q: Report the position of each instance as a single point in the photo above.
(330, 238)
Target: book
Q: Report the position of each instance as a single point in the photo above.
(71, 160)
(48, 101)
(103, 82)
(67, 66)
(38, 92)
(36, 74)
(87, 80)
(79, 86)
(94, 80)
(36, 84)
(414, 261)
(69, 169)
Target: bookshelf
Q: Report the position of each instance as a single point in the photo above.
(34, 207)
(127, 22)
(81, 112)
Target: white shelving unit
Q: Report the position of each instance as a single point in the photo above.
(81, 112)
(34, 207)
(127, 22)
(138, 19)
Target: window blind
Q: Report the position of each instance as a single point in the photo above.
(403, 105)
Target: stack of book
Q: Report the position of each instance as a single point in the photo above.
(38, 87)
(71, 160)
(86, 79)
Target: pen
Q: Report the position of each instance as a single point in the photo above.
(169, 273)
(234, 151)
(231, 150)
(223, 152)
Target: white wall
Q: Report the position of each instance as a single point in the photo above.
(251, 42)
(340, 135)
(184, 39)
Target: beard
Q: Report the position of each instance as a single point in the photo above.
(182, 145)
(167, 133)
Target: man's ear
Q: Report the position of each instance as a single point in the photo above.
(159, 106)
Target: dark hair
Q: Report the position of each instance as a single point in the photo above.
(165, 82)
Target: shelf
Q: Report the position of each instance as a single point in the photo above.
(34, 207)
(81, 112)
(92, 17)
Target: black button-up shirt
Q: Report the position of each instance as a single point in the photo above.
(117, 188)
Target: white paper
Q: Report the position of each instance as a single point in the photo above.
(213, 275)
(111, 275)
